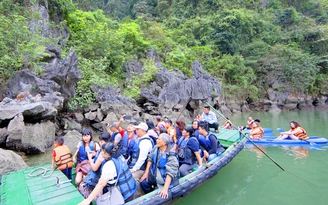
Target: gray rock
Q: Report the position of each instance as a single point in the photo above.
(30, 138)
(79, 117)
(100, 116)
(90, 116)
(31, 111)
(71, 139)
(70, 124)
(111, 118)
(3, 135)
(65, 73)
(10, 161)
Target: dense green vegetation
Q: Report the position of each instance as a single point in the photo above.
(248, 45)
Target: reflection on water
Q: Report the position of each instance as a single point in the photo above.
(296, 151)
(259, 153)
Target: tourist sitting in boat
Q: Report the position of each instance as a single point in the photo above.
(114, 169)
(171, 130)
(250, 121)
(208, 142)
(85, 146)
(129, 137)
(188, 152)
(152, 131)
(296, 132)
(62, 157)
(91, 179)
(159, 123)
(179, 126)
(195, 128)
(249, 125)
(257, 131)
(227, 124)
(162, 168)
(210, 117)
(115, 132)
(138, 155)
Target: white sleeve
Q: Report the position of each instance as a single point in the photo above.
(97, 146)
(109, 172)
(117, 138)
(79, 144)
(145, 147)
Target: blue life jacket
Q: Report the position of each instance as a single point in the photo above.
(83, 154)
(206, 143)
(125, 145)
(120, 143)
(196, 134)
(160, 164)
(186, 155)
(92, 178)
(178, 133)
(126, 182)
(134, 152)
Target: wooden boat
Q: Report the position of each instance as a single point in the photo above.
(20, 188)
(28, 188)
(232, 140)
(313, 140)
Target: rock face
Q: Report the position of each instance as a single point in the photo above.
(171, 90)
(30, 138)
(56, 83)
(10, 161)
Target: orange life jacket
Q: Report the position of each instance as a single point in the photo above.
(63, 157)
(301, 134)
(260, 133)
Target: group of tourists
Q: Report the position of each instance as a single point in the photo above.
(296, 131)
(142, 157)
(146, 156)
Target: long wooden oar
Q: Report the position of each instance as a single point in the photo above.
(184, 107)
(219, 113)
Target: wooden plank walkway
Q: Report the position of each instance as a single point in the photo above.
(19, 188)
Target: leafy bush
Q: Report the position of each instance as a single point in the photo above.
(134, 85)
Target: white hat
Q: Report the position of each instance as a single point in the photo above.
(142, 126)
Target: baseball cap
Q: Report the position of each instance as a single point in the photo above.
(142, 126)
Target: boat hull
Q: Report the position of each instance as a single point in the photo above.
(194, 179)
(272, 140)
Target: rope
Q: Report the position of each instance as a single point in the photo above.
(43, 172)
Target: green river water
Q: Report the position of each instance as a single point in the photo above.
(251, 178)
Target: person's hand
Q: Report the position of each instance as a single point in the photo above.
(131, 170)
(144, 176)
(204, 159)
(163, 193)
(122, 118)
(200, 166)
(90, 155)
(206, 155)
